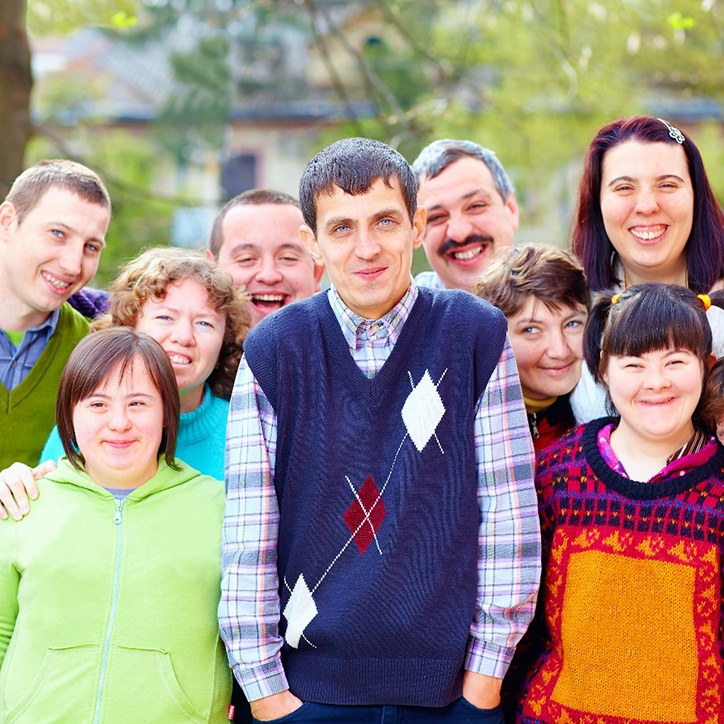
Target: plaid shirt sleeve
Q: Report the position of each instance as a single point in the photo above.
(249, 608)
(509, 550)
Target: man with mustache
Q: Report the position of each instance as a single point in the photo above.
(472, 214)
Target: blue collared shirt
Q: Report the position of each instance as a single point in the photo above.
(17, 361)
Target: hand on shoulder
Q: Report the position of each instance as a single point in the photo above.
(17, 488)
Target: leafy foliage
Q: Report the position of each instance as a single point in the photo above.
(532, 79)
(66, 16)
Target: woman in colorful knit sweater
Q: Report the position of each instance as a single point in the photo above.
(632, 518)
(542, 292)
(191, 307)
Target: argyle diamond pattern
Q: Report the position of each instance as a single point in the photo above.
(362, 519)
(422, 411)
(299, 612)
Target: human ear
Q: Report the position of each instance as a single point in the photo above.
(310, 242)
(419, 221)
(512, 205)
(318, 274)
(8, 215)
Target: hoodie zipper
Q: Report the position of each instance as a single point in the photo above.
(118, 520)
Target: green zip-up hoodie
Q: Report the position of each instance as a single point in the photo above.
(108, 607)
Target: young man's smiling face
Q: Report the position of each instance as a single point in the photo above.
(366, 242)
(49, 254)
(262, 251)
(468, 221)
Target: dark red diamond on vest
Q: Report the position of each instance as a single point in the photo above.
(362, 519)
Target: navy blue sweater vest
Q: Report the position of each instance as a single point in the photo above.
(377, 488)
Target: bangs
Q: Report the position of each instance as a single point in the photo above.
(655, 321)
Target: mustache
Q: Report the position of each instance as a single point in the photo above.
(450, 245)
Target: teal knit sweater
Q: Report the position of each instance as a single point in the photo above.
(201, 437)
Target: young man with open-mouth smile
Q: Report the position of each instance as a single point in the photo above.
(255, 237)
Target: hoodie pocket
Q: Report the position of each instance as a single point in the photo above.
(63, 685)
(142, 685)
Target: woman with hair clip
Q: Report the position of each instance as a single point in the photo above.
(630, 619)
(646, 213)
(109, 590)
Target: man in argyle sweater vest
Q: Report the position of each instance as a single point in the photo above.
(381, 546)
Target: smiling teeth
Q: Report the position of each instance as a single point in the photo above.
(465, 255)
(179, 359)
(57, 283)
(268, 297)
(647, 235)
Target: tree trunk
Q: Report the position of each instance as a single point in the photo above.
(16, 82)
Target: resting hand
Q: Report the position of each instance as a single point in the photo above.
(17, 484)
(481, 690)
(275, 706)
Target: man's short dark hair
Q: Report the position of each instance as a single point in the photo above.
(436, 157)
(253, 197)
(36, 181)
(353, 165)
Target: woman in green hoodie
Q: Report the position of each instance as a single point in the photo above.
(109, 591)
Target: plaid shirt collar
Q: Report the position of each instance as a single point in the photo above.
(359, 331)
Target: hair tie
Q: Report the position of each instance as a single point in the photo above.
(705, 301)
(615, 298)
(674, 132)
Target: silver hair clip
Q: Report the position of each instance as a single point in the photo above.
(674, 132)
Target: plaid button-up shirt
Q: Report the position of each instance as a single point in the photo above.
(508, 539)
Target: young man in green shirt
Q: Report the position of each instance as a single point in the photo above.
(52, 231)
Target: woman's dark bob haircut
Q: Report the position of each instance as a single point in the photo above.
(705, 246)
(645, 318)
(104, 357)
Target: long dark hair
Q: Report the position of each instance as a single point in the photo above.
(589, 241)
